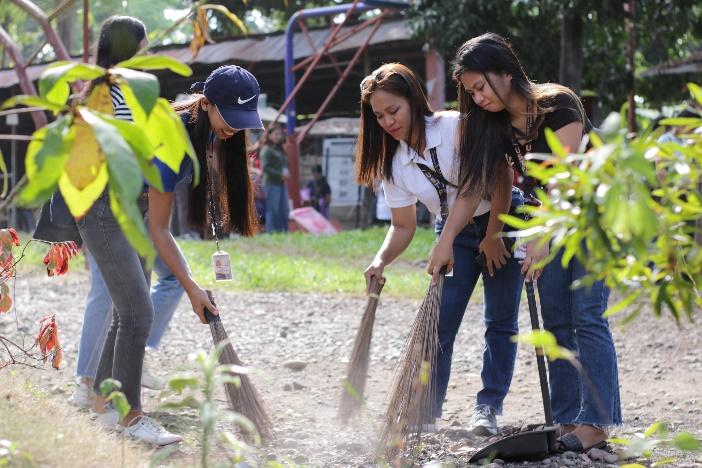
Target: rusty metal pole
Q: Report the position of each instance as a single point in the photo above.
(25, 83)
(435, 79)
(340, 81)
(41, 18)
(86, 31)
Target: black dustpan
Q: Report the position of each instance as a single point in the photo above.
(538, 441)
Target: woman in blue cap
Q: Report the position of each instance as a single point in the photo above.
(216, 118)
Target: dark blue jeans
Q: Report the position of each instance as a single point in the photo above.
(502, 293)
(574, 316)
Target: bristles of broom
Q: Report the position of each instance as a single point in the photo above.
(412, 392)
(357, 371)
(243, 399)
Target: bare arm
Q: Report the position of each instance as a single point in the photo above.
(159, 215)
(459, 216)
(402, 228)
(492, 246)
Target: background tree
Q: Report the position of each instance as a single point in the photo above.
(588, 36)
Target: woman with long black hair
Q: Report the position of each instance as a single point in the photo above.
(506, 117)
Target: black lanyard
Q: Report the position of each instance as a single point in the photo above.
(216, 225)
(438, 181)
(518, 160)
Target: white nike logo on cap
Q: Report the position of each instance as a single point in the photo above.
(244, 101)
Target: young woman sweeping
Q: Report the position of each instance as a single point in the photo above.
(507, 116)
(413, 150)
(215, 122)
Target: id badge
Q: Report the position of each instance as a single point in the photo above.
(222, 266)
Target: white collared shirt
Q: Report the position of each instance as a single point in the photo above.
(409, 183)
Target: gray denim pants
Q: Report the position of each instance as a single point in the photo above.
(127, 280)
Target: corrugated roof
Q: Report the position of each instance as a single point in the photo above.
(257, 49)
(691, 64)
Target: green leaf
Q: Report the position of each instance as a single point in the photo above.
(107, 386)
(554, 143)
(131, 220)
(142, 147)
(167, 131)
(688, 442)
(181, 383)
(632, 465)
(547, 341)
(682, 122)
(623, 304)
(53, 84)
(46, 155)
(157, 62)
(125, 184)
(696, 92)
(658, 428)
(125, 176)
(145, 86)
(79, 201)
(663, 462)
(32, 101)
(119, 403)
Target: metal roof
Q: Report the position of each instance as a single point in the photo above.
(256, 49)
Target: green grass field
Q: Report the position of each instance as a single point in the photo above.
(294, 262)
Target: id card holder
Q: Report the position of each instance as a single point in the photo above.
(222, 266)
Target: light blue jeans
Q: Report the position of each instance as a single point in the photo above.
(165, 296)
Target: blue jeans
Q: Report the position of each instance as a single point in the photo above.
(277, 208)
(574, 316)
(502, 294)
(165, 296)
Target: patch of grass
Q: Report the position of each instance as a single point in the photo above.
(305, 263)
(46, 433)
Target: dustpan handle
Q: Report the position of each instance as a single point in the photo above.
(540, 361)
(209, 316)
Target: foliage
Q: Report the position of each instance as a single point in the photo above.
(86, 151)
(664, 31)
(656, 436)
(627, 210)
(196, 389)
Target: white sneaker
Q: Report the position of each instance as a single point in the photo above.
(109, 419)
(148, 379)
(484, 421)
(148, 430)
(83, 394)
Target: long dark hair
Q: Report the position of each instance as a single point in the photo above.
(375, 147)
(119, 40)
(483, 137)
(230, 181)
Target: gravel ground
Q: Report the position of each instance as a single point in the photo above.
(660, 370)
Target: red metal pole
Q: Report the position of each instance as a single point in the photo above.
(25, 83)
(39, 16)
(340, 81)
(86, 31)
(314, 63)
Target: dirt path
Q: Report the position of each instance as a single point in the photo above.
(660, 368)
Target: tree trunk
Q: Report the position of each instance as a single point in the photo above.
(571, 60)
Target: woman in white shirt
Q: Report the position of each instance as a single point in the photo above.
(413, 151)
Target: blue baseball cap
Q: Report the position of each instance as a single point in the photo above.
(235, 93)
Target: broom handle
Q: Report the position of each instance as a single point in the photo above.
(209, 316)
(376, 285)
(540, 362)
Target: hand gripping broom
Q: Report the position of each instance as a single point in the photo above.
(412, 392)
(244, 399)
(357, 371)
